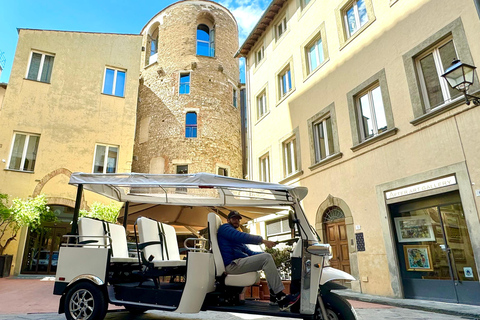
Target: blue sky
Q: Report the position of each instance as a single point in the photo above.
(116, 16)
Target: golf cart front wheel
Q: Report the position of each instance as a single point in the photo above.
(337, 308)
(85, 301)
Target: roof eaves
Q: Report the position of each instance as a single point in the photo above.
(273, 8)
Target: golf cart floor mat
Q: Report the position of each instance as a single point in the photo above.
(256, 307)
(168, 295)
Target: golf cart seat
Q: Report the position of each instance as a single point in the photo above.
(160, 241)
(234, 280)
(98, 233)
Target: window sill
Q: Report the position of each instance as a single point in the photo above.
(383, 135)
(291, 177)
(279, 39)
(262, 117)
(258, 65)
(315, 70)
(112, 95)
(327, 160)
(20, 171)
(37, 81)
(199, 55)
(151, 64)
(439, 110)
(356, 34)
(285, 96)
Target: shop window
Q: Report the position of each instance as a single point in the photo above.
(24, 151)
(40, 67)
(105, 159)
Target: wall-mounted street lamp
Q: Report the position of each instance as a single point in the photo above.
(460, 76)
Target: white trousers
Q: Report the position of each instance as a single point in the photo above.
(262, 261)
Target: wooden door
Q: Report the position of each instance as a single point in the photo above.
(336, 236)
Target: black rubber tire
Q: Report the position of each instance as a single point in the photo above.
(337, 307)
(85, 301)
(135, 310)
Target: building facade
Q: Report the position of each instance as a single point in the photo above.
(70, 106)
(188, 117)
(346, 98)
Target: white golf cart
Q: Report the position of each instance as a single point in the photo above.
(95, 266)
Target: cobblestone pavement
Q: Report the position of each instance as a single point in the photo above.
(380, 313)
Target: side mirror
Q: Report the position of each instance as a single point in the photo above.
(291, 219)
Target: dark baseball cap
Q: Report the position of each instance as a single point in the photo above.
(234, 213)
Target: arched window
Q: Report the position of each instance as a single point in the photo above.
(154, 43)
(191, 125)
(332, 214)
(205, 41)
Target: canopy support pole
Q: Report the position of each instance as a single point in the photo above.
(125, 215)
(76, 212)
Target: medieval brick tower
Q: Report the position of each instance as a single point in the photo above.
(188, 117)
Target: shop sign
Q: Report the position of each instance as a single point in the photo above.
(439, 183)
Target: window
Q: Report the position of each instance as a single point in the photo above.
(355, 17)
(182, 169)
(153, 47)
(205, 41)
(191, 125)
(106, 158)
(24, 152)
(184, 87)
(290, 156)
(235, 97)
(315, 55)
(278, 228)
(265, 168)
(262, 104)
(371, 116)
(430, 95)
(40, 67)
(323, 139)
(305, 2)
(372, 119)
(431, 65)
(114, 83)
(281, 28)
(259, 55)
(285, 81)
(222, 171)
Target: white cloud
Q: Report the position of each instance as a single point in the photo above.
(247, 13)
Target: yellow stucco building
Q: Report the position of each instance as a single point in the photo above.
(346, 98)
(70, 106)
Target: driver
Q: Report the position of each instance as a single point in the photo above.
(238, 258)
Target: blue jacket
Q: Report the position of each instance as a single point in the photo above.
(232, 243)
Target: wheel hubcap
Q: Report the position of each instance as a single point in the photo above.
(81, 305)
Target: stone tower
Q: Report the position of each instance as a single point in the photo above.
(188, 117)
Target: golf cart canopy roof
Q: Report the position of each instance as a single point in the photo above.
(199, 189)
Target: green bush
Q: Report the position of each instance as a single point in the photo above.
(282, 260)
(102, 211)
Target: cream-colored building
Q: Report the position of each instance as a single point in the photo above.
(346, 98)
(70, 106)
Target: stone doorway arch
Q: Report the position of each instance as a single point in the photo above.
(331, 209)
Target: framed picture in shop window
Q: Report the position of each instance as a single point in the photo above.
(418, 258)
(414, 229)
(452, 228)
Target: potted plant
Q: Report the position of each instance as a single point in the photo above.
(30, 213)
(283, 262)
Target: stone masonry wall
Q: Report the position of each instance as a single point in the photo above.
(160, 141)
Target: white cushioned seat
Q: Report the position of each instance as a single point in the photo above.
(165, 252)
(234, 280)
(89, 229)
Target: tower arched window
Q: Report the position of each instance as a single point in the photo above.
(154, 43)
(191, 125)
(205, 40)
